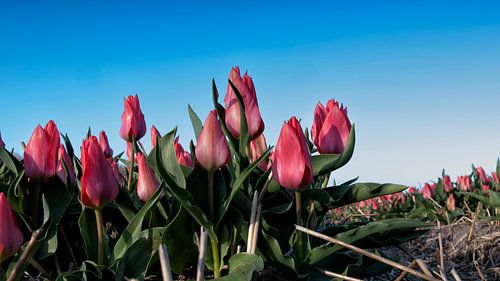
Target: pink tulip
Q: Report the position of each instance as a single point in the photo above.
(482, 175)
(447, 185)
(118, 174)
(183, 157)
(147, 183)
(65, 160)
(464, 182)
(133, 124)
(411, 190)
(155, 134)
(428, 191)
(292, 167)
(486, 187)
(103, 142)
(247, 90)
(331, 128)
(11, 238)
(450, 203)
(99, 186)
(494, 176)
(257, 147)
(2, 144)
(40, 155)
(212, 151)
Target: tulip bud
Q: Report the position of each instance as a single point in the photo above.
(99, 186)
(133, 124)
(11, 238)
(257, 147)
(103, 142)
(65, 160)
(486, 187)
(482, 175)
(428, 191)
(154, 136)
(40, 155)
(464, 182)
(2, 144)
(292, 167)
(183, 157)
(450, 203)
(212, 151)
(411, 190)
(494, 176)
(331, 128)
(147, 184)
(247, 90)
(118, 174)
(447, 185)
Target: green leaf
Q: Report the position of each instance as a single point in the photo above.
(337, 196)
(491, 198)
(195, 121)
(10, 161)
(244, 137)
(179, 239)
(88, 230)
(133, 230)
(242, 267)
(327, 163)
(324, 251)
(135, 261)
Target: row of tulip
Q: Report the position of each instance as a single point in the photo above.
(444, 199)
(241, 192)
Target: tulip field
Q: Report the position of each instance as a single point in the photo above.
(231, 206)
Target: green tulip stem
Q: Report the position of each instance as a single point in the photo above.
(100, 236)
(215, 246)
(131, 167)
(298, 212)
(36, 203)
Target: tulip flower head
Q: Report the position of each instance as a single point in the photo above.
(212, 151)
(447, 185)
(257, 147)
(450, 203)
(291, 166)
(11, 237)
(428, 191)
(2, 144)
(133, 123)
(155, 134)
(40, 155)
(62, 161)
(252, 114)
(183, 157)
(99, 185)
(494, 176)
(147, 183)
(331, 128)
(482, 175)
(103, 142)
(464, 182)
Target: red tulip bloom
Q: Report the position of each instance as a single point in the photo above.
(428, 191)
(118, 174)
(494, 176)
(447, 185)
(486, 187)
(331, 128)
(147, 183)
(247, 90)
(482, 175)
(257, 147)
(103, 142)
(464, 182)
(2, 144)
(291, 159)
(212, 151)
(450, 203)
(11, 237)
(133, 124)
(411, 190)
(99, 186)
(40, 155)
(183, 157)
(155, 134)
(65, 160)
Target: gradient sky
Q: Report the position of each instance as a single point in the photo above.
(421, 79)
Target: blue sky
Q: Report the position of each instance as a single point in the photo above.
(421, 80)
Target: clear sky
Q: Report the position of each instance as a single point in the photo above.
(421, 79)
